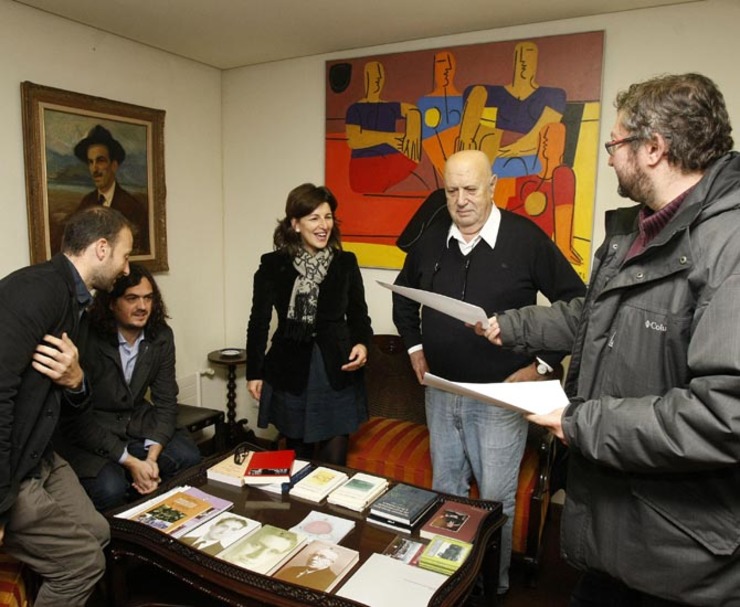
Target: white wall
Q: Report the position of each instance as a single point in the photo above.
(274, 115)
(50, 51)
(238, 141)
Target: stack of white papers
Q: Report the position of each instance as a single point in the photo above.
(358, 491)
(382, 581)
(318, 484)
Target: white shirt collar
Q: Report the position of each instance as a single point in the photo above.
(489, 232)
(109, 194)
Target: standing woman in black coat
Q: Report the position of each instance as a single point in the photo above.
(310, 383)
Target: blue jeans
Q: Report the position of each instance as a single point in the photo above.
(112, 486)
(472, 440)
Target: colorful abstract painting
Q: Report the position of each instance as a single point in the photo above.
(532, 105)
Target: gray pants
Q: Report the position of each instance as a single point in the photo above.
(54, 528)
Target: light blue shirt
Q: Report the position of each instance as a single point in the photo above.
(129, 354)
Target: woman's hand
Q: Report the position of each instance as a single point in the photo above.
(254, 387)
(357, 358)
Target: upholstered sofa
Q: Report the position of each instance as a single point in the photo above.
(394, 442)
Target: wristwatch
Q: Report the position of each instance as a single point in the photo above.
(543, 368)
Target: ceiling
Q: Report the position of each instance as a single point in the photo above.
(234, 33)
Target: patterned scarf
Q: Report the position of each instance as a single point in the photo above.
(305, 296)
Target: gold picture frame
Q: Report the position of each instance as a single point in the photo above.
(58, 128)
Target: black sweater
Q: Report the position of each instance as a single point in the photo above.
(523, 262)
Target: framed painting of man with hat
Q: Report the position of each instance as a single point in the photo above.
(82, 151)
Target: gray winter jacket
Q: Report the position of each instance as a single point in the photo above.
(653, 494)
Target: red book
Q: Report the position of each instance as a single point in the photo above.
(267, 467)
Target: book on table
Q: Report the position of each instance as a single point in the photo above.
(298, 470)
(405, 549)
(318, 484)
(266, 467)
(218, 533)
(319, 565)
(444, 554)
(183, 507)
(323, 526)
(404, 504)
(454, 519)
(382, 581)
(218, 505)
(357, 492)
(265, 550)
(228, 471)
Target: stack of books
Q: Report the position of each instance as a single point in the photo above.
(300, 469)
(256, 468)
(454, 519)
(402, 507)
(444, 555)
(266, 467)
(358, 492)
(318, 484)
(228, 471)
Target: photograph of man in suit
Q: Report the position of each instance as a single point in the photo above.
(222, 532)
(316, 573)
(104, 155)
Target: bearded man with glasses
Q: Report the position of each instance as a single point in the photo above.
(652, 513)
(128, 442)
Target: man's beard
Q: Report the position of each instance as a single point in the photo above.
(636, 185)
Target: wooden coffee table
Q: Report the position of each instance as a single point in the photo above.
(164, 568)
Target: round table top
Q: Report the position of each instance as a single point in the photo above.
(228, 356)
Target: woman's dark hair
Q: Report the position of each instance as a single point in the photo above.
(302, 201)
(101, 315)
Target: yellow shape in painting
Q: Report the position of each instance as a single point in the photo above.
(432, 117)
(376, 255)
(535, 204)
(488, 117)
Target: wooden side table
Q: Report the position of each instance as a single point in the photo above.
(231, 358)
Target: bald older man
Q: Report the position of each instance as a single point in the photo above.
(496, 260)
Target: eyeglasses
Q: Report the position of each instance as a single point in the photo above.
(610, 146)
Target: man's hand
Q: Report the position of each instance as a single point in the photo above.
(357, 358)
(552, 421)
(528, 373)
(492, 333)
(254, 387)
(58, 359)
(2, 533)
(419, 363)
(145, 476)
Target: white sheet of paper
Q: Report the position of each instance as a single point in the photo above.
(382, 581)
(461, 310)
(539, 397)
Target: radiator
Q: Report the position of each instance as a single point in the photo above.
(191, 388)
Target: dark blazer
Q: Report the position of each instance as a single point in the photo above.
(320, 579)
(120, 413)
(341, 322)
(34, 301)
(133, 209)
